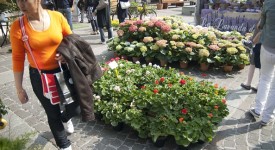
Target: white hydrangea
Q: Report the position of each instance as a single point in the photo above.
(150, 64)
(144, 65)
(147, 72)
(137, 62)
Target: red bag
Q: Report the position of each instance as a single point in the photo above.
(49, 88)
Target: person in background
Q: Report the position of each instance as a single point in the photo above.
(64, 6)
(104, 20)
(121, 13)
(91, 18)
(81, 4)
(264, 102)
(254, 59)
(45, 30)
(48, 4)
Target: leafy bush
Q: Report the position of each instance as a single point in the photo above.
(15, 144)
(158, 102)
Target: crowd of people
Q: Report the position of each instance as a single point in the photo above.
(99, 19)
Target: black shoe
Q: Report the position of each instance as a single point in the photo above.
(253, 113)
(254, 89)
(81, 22)
(247, 87)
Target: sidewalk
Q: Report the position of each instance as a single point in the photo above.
(237, 131)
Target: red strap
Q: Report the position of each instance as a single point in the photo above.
(25, 39)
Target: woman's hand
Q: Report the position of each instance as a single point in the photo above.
(23, 96)
(60, 58)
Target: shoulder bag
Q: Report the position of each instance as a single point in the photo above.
(124, 5)
(53, 84)
(102, 4)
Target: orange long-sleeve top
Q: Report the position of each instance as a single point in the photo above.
(43, 43)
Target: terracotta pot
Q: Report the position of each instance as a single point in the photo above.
(163, 63)
(204, 66)
(227, 68)
(159, 6)
(135, 59)
(149, 59)
(241, 66)
(183, 64)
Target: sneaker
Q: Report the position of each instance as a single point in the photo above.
(68, 148)
(103, 43)
(81, 22)
(247, 87)
(253, 113)
(69, 127)
(265, 123)
(93, 33)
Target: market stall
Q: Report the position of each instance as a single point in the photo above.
(228, 15)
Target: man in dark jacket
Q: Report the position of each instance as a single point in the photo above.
(64, 6)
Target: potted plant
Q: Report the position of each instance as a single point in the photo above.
(204, 59)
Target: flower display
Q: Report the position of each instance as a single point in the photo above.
(170, 39)
(160, 102)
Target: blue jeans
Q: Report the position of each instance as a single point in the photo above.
(102, 36)
(68, 15)
(54, 115)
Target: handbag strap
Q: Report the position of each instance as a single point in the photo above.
(25, 39)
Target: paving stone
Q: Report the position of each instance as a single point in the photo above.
(242, 147)
(100, 146)
(116, 143)
(138, 147)
(123, 147)
(23, 114)
(229, 144)
(266, 146)
(266, 132)
(265, 138)
(41, 127)
(252, 136)
(110, 148)
(129, 142)
(121, 136)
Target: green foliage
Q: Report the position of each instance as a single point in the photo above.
(3, 109)
(8, 6)
(15, 144)
(158, 102)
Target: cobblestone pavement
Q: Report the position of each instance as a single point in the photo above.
(237, 131)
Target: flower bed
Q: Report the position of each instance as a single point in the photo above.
(173, 40)
(158, 103)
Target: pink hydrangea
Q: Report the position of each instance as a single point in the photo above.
(165, 28)
(133, 28)
(120, 32)
(138, 22)
(161, 43)
(158, 23)
(191, 44)
(150, 24)
(214, 47)
(147, 39)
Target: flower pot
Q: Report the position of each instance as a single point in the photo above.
(183, 64)
(160, 141)
(163, 63)
(227, 68)
(119, 126)
(3, 123)
(159, 6)
(149, 59)
(204, 66)
(241, 66)
(135, 59)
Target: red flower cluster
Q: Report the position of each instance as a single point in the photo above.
(224, 101)
(155, 91)
(170, 85)
(157, 82)
(181, 120)
(182, 82)
(143, 87)
(162, 79)
(210, 115)
(184, 111)
(216, 107)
